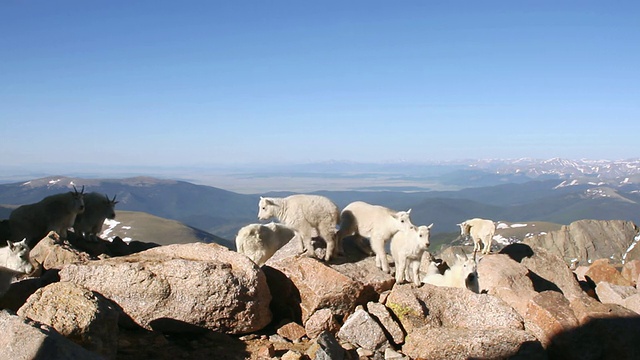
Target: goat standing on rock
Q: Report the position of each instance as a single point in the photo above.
(481, 232)
(407, 248)
(304, 214)
(55, 212)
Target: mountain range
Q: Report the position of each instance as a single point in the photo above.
(555, 191)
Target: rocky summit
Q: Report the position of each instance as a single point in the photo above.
(197, 300)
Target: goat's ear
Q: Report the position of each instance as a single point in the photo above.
(409, 211)
(10, 244)
(430, 226)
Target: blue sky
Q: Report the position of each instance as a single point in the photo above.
(147, 83)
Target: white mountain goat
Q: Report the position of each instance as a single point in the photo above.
(462, 274)
(407, 248)
(55, 212)
(304, 214)
(260, 241)
(375, 222)
(15, 256)
(481, 232)
(97, 208)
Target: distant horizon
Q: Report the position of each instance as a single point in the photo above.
(301, 177)
(303, 162)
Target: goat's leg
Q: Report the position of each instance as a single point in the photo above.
(377, 244)
(401, 265)
(415, 272)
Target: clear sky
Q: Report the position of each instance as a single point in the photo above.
(218, 82)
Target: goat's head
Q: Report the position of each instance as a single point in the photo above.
(424, 232)
(404, 218)
(18, 258)
(266, 208)
(78, 200)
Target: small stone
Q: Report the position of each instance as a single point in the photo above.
(266, 351)
(364, 352)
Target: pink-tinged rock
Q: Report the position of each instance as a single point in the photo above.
(601, 270)
(28, 339)
(450, 307)
(381, 313)
(633, 303)
(443, 343)
(580, 272)
(314, 286)
(626, 296)
(365, 271)
(266, 351)
(405, 305)
(548, 314)
(177, 287)
(362, 330)
(81, 315)
(586, 308)
(507, 279)
(547, 270)
(321, 320)
(291, 331)
(51, 253)
(631, 271)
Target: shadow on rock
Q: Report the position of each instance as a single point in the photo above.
(517, 251)
(600, 338)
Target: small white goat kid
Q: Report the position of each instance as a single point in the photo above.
(407, 248)
(462, 274)
(481, 232)
(260, 241)
(304, 214)
(15, 256)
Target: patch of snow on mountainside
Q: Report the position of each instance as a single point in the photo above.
(605, 192)
(563, 168)
(111, 225)
(505, 240)
(633, 245)
(567, 183)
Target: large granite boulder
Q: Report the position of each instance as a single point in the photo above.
(81, 315)
(28, 339)
(181, 287)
